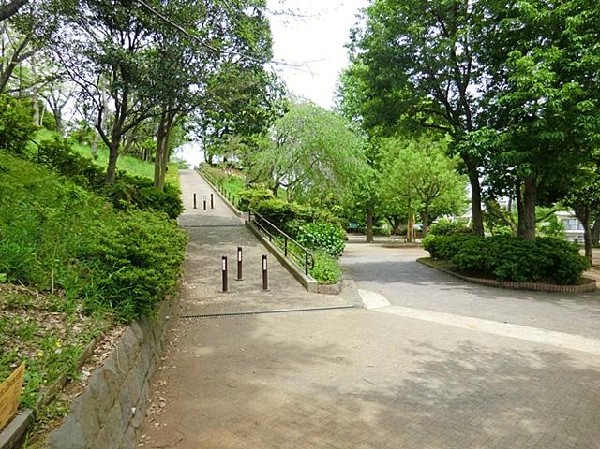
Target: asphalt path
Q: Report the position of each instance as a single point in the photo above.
(395, 274)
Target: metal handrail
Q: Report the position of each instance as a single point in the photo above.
(306, 257)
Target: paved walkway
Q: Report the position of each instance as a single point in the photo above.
(356, 378)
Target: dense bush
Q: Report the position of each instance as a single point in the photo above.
(326, 269)
(250, 198)
(511, 258)
(445, 247)
(133, 261)
(57, 236)
(126, 192)
(16, 124)
(327, 237)
(446, 227)
(290, 217)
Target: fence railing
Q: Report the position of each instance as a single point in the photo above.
(292, 250)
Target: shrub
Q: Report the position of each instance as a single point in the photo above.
(326, 237)
(16, 124)
(250, 198)
(132, 263)
(445, 247)
(126, 192)
(326, 269)
(446, 227)
(56, 235)
(511, 258)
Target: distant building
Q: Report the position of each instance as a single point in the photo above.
(573, 228)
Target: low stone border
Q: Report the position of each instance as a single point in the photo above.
(589, 285)
(12, 435)
(401, 245)
(111, 408)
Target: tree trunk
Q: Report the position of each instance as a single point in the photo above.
(410, 232)
(476, 212)
(526, 209)
(424, 221)
(596, 232)
(111, 169)
(369, 223)
(585, 217)
(160, 148)
(166, 153)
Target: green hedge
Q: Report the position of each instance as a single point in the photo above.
(510, 258)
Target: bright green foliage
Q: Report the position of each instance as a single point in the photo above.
(327, 237)
(57, 236)
(16, 124)
(250, 198)
(311, 152)
(446, 227)
(418, 178)
(326, 269)
(511, 258)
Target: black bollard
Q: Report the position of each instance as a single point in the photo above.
(212, 201)
(224, 273)
(204, 203)
(265, 282)
(239, 264)
(194, 201)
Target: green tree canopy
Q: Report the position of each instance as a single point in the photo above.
(419, 178)
(311, 152)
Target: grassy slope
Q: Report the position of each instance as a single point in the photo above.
(131, 164)
(47, 330)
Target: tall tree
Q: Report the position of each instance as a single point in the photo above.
(417, 65)
(419, 178)
(107, 43)
(311, 152)
(542, 98)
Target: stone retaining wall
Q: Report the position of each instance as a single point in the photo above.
(111, 408)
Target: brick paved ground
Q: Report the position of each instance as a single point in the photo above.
(378, 378)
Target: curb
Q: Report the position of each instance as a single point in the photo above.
(588, 286)
(13, 433)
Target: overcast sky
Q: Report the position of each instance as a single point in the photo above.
(311, 46)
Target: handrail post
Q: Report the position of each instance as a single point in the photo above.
(285, 246)
(306, 262)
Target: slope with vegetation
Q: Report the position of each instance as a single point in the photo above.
(76, 259)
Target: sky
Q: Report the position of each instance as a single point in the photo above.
(310, 47)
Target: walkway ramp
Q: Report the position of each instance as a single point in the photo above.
(216, 232)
